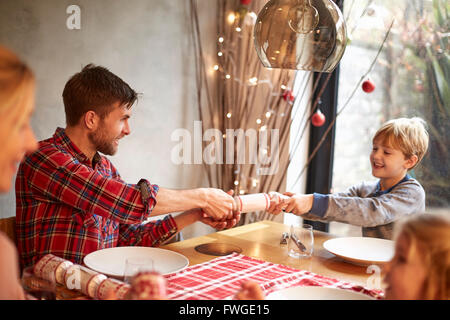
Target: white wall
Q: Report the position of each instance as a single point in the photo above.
(147, 43)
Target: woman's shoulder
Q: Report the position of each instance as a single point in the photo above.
(9, 270)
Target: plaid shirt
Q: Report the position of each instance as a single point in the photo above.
(69, 207)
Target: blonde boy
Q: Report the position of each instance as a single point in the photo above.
(398, 146)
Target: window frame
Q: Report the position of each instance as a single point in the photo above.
(320, 170)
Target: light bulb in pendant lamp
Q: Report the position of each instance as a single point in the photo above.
(303, 18)
(300, 35)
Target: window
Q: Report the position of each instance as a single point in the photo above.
(411, 77)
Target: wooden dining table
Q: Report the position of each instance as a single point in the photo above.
(261, 240)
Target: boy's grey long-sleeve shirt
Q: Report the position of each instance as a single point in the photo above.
(367, 206)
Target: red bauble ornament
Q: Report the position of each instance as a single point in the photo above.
(368, 86)
(246, 2)
(318, 119)
(288, 96)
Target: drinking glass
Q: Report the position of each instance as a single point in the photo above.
(136, 265)
(301, 241)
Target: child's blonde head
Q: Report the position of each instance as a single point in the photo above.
(428, 236)
(407, 135)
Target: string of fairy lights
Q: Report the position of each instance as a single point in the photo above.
(240, 21)
(249, 20)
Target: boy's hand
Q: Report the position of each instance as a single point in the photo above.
(297, 204)
(275, 200)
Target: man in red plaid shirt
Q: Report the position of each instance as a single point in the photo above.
(71, 201)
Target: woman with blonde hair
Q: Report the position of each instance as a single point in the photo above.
(420, 268)
(17, 87)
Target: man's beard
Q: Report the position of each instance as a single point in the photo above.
(102, 142)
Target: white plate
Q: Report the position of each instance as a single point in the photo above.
(111, 262)
(316, 293)
(362, 250)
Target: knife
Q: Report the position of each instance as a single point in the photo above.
(297, 242)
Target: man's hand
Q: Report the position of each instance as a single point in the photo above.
(221, 225)
(229, 222)
(218, 204)
(189, 217)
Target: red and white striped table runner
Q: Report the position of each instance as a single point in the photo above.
(221, 278)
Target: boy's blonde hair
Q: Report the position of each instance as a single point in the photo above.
(429, 237)
(407, 135)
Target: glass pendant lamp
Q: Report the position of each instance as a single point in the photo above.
(300, 35)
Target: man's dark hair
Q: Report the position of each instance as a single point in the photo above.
(95, 89)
